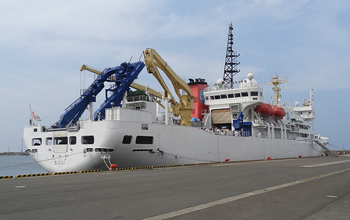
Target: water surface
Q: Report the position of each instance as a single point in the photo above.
(19, 165)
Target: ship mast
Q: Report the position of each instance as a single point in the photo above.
(230, 61)
(276, 81)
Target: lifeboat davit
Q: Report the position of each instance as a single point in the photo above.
(264, 109)
(278, 112)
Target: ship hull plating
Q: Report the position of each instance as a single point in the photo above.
(136, 145)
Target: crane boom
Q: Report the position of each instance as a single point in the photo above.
(122, 81)
(153, 61)
(133, 85)
(125, 74)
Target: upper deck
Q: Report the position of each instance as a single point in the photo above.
(248, 90)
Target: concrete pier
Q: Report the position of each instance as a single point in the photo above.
(304, 188)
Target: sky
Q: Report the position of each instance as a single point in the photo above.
(44, 43)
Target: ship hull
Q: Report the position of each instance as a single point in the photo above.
(171, 145)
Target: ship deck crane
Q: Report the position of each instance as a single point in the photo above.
(153, 61)
(123, 75)
(133, 85)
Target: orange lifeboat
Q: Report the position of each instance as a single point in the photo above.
(264, 109)
(278, 112)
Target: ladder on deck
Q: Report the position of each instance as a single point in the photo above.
(326, 148)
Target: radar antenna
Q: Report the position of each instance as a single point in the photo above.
(276, 81)
(230, 61)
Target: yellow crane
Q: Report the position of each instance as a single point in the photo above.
(133, 85)
(153, 61)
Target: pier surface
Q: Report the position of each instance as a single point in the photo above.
(305, 188)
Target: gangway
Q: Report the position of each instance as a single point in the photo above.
(326, 148)
(124, 75)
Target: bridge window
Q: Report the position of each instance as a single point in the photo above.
(244, 94)
(87, 139)
(211, 97)
(235, 108)
(230, 95)
(36, 141)
(127, 139)
(223, 96)
(217, 97)
(143, 149)
(254, 93)
(234, 116)
(144, 126)
(49, 141)
(72, 140)
(144, 140)
(60, 140)
(237, 95)
(104, 150)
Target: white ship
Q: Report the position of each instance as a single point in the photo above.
(218, 123)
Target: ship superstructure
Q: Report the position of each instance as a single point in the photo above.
(242, 110)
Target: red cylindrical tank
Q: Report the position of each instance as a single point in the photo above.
(197, 87)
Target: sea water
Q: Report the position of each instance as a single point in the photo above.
(19, 165)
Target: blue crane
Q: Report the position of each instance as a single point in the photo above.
(124, 75)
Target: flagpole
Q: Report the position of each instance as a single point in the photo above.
(31, 114)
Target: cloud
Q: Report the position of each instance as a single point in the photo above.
(109, 33)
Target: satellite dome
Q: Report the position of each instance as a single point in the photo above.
(250, 82)
(250, 76)
(220, 82)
